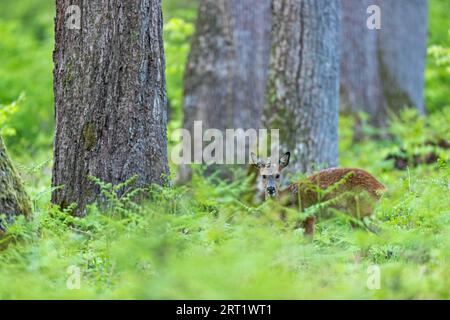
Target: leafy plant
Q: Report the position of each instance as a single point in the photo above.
(118, 199)
(6, 111)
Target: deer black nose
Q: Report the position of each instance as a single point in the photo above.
(271, 190)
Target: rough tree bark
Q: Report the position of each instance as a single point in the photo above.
(360, 82)
(226, 73)
(303, 89)
(110, 98)
(13, 199)
(382, 71)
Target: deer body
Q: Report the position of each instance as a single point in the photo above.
(350, 190)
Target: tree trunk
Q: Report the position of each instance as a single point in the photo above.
(360, 82)
(226, 72)
(110, 98)
(303, 90)
(13, 199)
(382, 71)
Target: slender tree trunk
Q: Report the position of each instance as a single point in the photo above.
(226, 73)
(110, 98)
(303, 90)
(13, 199)
(382, 71)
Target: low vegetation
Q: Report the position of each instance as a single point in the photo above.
(203, 240)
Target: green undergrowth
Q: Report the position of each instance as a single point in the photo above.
(203, 241)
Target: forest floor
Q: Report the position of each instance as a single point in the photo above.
(201, 241)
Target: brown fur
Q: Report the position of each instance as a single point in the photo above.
(354, 191)
(350, 190)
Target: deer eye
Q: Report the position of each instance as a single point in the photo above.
(264, 176)
(277, 176)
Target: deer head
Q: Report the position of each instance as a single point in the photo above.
(270, 173)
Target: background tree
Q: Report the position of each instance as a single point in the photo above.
(110, 98)
(226, 74)
(13, 199)
(303, 90)
(382, 71)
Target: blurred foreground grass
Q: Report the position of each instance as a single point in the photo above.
(201, 242)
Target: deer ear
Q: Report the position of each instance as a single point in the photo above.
(284, 160)
(255, 160)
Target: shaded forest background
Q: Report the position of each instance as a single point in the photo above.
(26, 69)
(121, 250)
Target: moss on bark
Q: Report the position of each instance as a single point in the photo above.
(13, 198)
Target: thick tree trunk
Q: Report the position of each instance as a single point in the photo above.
(13, 199)
(382, 71)
(303, 90)
(110, 98)
(360, 81)
(226, 73)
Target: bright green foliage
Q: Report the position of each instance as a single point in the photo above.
(418, 135)
(436, 75)
(177, 34)
(26, 44)
(440, 71)
(203, 241)
(6, 111)
(411, 135)
(186, 9)
(441, 55)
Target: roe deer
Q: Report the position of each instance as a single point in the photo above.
(352, 190)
